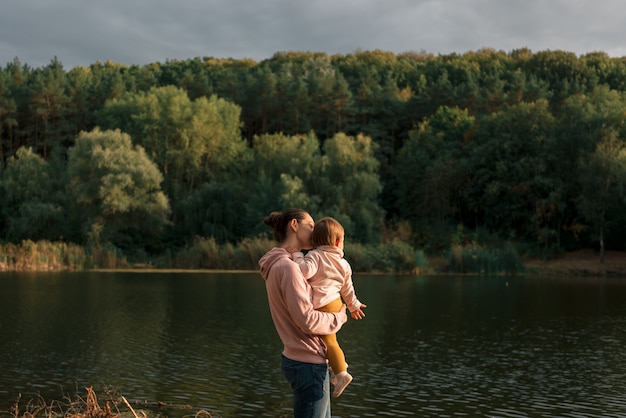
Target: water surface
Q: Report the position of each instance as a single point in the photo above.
(429, 346)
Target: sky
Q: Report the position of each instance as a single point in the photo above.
(140, 32)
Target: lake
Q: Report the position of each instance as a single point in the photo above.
(439, 346)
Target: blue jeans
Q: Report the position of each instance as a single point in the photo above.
(311, 388)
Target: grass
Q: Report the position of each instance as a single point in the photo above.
(474, 259)
(391, 257)
(89, 407)
(201, 254)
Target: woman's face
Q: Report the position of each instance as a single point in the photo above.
(305, 231)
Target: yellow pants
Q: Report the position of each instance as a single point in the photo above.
(334, 353)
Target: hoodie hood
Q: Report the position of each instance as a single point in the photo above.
(270, 258)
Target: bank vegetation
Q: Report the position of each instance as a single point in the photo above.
(112, 406)
(469, 161)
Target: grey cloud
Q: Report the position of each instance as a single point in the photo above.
(144, 31)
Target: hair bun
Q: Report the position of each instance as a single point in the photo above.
(272, 219)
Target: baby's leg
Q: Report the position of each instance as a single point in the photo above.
(334, 353)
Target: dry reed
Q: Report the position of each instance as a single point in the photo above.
(87, 407)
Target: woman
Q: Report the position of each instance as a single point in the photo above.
(299, 326)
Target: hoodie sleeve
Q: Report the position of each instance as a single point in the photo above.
(308, 263)
(347, 290)
(297, 292)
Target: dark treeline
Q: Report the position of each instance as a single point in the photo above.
(480, 148)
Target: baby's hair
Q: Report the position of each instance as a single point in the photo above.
(326, 232)
(279, 220)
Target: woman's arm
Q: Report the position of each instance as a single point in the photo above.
(298, 299)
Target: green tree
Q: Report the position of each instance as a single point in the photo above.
(115, 191)
(603, 188)
(263, 101)
(214, 210)
(583, 122)
(49, 129)
(329, 92)
(29, 203)
(431, 173)
(349, 186)
(198, 147)
(108, 82)
(80, 109)
(565, 73)
(190, 141)
(294, 101)
(8, 115)
(341, 182)
(510, 170)
(282, 171)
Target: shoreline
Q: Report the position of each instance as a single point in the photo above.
(579, 263)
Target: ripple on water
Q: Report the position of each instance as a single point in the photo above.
(430, 348)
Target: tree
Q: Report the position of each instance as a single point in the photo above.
(583, 122)
(190, 141)
(329, 92)
(80, 110)
(262, 99)
(341, 182)
(295, 103)
(30, 196)
(115, 190)
(565, 73)
(431, 172)
(48, 129)
(214, 210)
(510, 168)
(281, 173)
(349, 187)
(8, 115)
(603, 191)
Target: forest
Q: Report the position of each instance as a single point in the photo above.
(427, 153)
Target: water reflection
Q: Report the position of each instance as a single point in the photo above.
(429, 346)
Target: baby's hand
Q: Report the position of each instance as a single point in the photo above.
(358, 313)
(292, 250)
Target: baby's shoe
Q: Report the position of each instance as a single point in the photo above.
(343, 380)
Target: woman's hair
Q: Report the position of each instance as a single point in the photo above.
(279, 221)
(326, 232)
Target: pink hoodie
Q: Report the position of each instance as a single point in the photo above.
(329, 274)
(290, 300)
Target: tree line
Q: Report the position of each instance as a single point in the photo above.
(459, 149)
